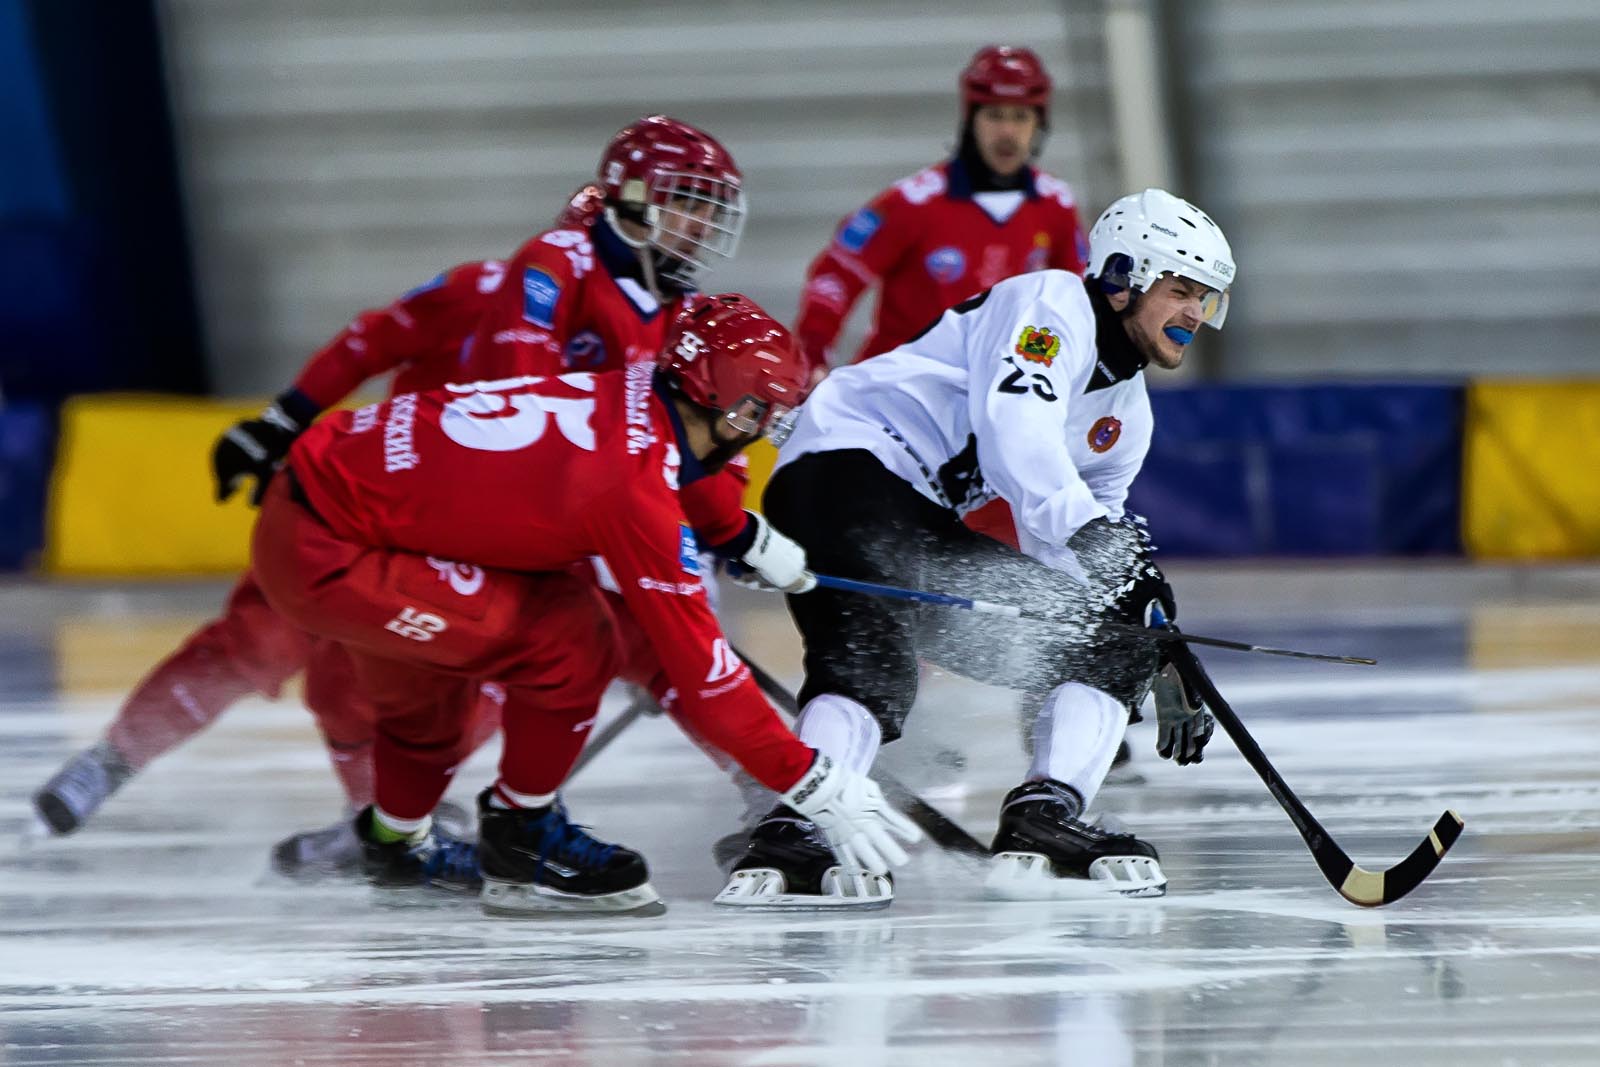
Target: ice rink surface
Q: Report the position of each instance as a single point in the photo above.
(155, 936)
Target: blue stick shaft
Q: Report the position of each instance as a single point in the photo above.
(894, 592)
(1160, 632)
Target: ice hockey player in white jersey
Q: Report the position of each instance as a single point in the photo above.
(1032, 391)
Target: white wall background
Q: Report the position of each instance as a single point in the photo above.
(1412, 187)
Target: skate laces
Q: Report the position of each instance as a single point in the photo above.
(566, 842)
(454, 860)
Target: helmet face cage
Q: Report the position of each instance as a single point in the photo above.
(752, 415)
(695, 222)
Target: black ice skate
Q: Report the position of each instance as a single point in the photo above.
(1044, 850)
(789, 865)
(538, 862)
(434, 861)
(335, 851)
(84, 782)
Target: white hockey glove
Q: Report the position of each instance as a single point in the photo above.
(1183, 725)
(850, 811)
(773, 561)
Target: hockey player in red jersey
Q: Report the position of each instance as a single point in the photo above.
(250, 649)
(514, 481)
(958, 227)
(672, 207)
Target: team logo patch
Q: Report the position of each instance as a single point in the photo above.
(946, 265)
(585, 351)
(1104, 433)
(1039, 255)
(1037, 344)
(855, 233)
(688, 550)
(539, 295)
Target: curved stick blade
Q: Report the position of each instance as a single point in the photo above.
(1372, 889)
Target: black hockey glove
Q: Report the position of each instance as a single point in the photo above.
(1145, 590)
(1183, 725)
(256, 447)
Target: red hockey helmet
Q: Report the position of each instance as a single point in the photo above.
(582, 208)
(727, 354)
(682, 184)
(1002, 74)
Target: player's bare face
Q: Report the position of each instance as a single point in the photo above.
(1171, 306)
(1004, 134)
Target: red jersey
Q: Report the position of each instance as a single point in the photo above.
(932, 242)
(423, 334)
(570, 303)
(536, 474)
(434, 335)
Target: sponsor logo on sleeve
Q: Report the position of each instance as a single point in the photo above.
(539, 295)
(855, 234)
(688, 550)
(1104, 433)
(724, 663)
(946, 265)
(1038, 344)
(828, 290)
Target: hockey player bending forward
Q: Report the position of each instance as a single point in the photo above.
(513, 482)
(1032, 392)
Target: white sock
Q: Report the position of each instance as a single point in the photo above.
(841, 728)
(1076, 737)
(503, 797)
(412, 828)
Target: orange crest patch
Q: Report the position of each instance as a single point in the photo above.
(1037, 344)
(1104, 433)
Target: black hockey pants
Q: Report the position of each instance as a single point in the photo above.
(856, 519)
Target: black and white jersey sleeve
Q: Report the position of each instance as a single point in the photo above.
(1003, 396)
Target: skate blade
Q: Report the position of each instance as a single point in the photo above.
(765, 889)
(519, 901)
(1031, 876)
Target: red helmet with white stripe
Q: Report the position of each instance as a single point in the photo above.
(1003, 74)
(727, 354)
(679, 182)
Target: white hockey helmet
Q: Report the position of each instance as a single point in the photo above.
(1145, 235)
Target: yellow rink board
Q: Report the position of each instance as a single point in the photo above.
(1531, 470)
(132, 490)
(762, 456)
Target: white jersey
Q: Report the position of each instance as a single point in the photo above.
(1006, 395)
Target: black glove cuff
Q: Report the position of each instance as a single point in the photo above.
(299, 407)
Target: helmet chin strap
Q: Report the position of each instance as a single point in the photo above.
(649, 255)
